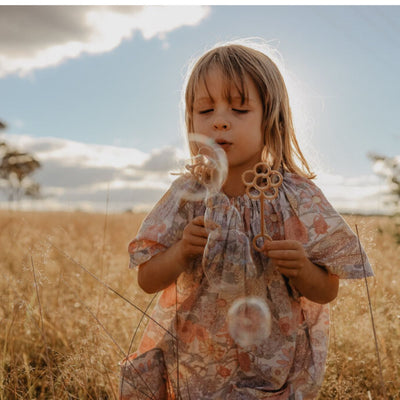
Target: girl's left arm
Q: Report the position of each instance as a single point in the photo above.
(311, 280)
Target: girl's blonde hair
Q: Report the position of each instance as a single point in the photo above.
(236, 61)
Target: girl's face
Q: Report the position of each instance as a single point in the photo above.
(234, 126)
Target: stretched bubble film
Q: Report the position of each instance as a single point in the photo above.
(227, 261)
(227, 258)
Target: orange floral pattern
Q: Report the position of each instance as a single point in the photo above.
(192, 355)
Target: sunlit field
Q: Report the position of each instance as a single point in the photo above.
(62, 332)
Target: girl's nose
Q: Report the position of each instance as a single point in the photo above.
(221, 124)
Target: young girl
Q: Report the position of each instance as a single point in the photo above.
(236, 97)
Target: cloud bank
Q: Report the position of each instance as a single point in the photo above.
(35, 37)
(98, 178)
(92, 177)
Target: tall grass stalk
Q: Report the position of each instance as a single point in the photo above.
(51, 346)
(42, 332)
(378, 357)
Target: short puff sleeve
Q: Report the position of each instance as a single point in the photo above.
(164, 225)
(327, 238)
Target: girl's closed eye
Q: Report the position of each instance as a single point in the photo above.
(205, 111)
(239, 111)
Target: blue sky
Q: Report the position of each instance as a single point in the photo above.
(342, 64)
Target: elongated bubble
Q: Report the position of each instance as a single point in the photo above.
(227, 261)
(249, 321)
(208, 166)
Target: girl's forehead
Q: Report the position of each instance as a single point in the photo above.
(215, 81)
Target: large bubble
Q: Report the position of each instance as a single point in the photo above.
(249, 321)
(209, 165)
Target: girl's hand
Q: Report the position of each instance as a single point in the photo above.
(311, 280)
(194, 239)
(165, 267)
(288, 256)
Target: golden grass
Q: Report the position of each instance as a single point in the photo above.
(56, 320)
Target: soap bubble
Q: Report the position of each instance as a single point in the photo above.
(209, 167)
(249, 321)
(210, 164)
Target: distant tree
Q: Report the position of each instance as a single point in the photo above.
(16, 169)
(3, 126)
(389, 168)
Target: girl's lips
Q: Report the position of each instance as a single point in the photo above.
(224, 144)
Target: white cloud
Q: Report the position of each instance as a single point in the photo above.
(165, 159)
(83, 176)
(362, 194)
(157, 21)
(76, 153)
(34, 37)
(56, 173)
(87, 176)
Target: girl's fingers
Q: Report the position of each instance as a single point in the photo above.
(284, 254)
(196, 227)
(271, 245)
(288, 250)
(200, 231)
(198, 220)
(193, 246)
(195, 236)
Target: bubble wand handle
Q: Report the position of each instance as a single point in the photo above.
(262, 183)
(263, 234)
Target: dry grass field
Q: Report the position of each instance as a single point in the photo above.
(62, 332)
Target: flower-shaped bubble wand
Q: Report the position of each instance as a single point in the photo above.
(262, 183)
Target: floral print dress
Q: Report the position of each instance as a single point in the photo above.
(190, 354)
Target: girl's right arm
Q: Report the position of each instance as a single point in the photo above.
(164, 268)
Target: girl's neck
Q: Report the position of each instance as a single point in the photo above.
(234, 186)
